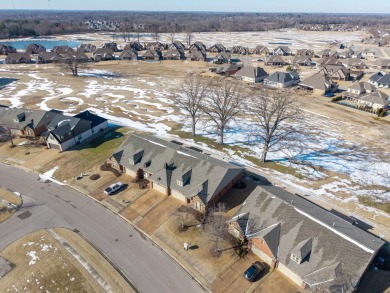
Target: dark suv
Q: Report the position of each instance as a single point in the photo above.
(253, 271)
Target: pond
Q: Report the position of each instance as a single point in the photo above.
(48, 44)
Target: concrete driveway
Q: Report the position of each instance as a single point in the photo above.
(48, 205)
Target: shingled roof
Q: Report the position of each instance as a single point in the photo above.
(169, 163)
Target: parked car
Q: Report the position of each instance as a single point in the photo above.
(113, 188)
(253, 271)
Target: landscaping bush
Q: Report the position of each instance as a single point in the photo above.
(94, 177)
(380, 112)
(336, 99)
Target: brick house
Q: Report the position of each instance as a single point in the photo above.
(187, 174)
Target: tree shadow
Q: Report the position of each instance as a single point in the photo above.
(6, 81)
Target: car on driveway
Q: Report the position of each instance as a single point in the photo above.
(113, 188)
(253, 271)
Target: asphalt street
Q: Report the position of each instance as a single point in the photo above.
(48, 205)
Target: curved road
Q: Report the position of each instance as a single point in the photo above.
(48, 205)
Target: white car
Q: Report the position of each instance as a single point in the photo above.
(113, 188)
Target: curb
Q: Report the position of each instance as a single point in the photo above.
(145, 235)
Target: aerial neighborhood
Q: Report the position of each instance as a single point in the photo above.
(139, 157)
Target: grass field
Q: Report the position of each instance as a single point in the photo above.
(42, 265)
(9, 197)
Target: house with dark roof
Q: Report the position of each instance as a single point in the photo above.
(282, 79)
(35, 49)
(177, 45)
(217, 48)
(111, 46)
(251, 74)
(227, 69)
(319, 83)
(17, 58)
(282, 51)
(382, 63)
(380, 79)
(62, 50)
(239, 50)
(222, 57)
(5, 49)
(302, 60)
(103, 54)
(48, 57)
(131, 54)
(328, 61)
(328, 53)
(198, 46)
(304, 52)
(189, 175)
(310, 245)
(134, 45)
(25, 122)
(275, 60)
(155, 46)
(65, 132)
(87, 48)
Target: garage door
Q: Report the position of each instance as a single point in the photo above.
(261, 254)
(287, 272)
(55, 146)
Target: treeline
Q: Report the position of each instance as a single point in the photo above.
(33, 23)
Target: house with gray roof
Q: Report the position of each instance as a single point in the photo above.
(310, 245)
(374, 100)
(103, 54)
(336, 72)
(17, 58)
(222, 57)
(134, 45)
(198, 46)
(239, 50)
(48, 57)
(280, 79)
(174, 54)
(35, 49)
(64, 132)
(251, 74)
(196, 55)
(319, 83)
(131, 54)
(62, 50)
(155, 55)
(177, 45)
(328, 53)
(328, 61)
(217, 48)
(382, 63)
(261, 50)
(87, 48)
(5, 49)
(25, 122)
(302, 60)
(275, 60)
(380, 79)
(304, 52)
(176, 170)
(282, 51)
(227, 69)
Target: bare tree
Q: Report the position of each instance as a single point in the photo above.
(217, 227)
(74, 61)
(6, 134)
(156, 36)
(172, 37)
(192, 93)
(223, 104)
(182, 216)
(278, 119)
(188, 38)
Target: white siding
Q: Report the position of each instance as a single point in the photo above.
(178, 195)
(131, 172)
(97, 128)
(159, 188)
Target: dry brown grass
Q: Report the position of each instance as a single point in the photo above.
(55, 269)
(11, 198)
(108, 273)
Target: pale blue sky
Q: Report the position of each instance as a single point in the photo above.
(338, 6)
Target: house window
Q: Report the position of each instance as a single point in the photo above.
(236, 233)
(180, 183)
(197, 205)
(131, 161)
(295, 258)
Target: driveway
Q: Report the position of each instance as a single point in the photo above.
(48, 205)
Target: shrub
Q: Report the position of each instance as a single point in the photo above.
(336, 99)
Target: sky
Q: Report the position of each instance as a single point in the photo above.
(335, 6)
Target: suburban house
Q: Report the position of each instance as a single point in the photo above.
(282, 79)
(217, 48)
(282, 51)
(319, 83)
(87, 48)
(328, 61)
(5, 50)
(103, 54)
(48, 57)
(35, 49)
(302, 60)
(261, 50)
(222, 57)
(328, 53)
(196, 55)
(380, 79)
(304, 52)
(239, 50)
(134, 45)
(251, 74)
(111, 46)
(64, 132)
(312, 246)
(154, 46)
(227, 69)
(355, 64)
(275, 60)
(177, 45)
(174, 54)
(365, 95)
(17, 58)
(24, 122)
(131, 54)
(199, 46)
(62, 50)
(336, 72)
(173, 169)
(382, 63)
(152, 55)
(371, 52)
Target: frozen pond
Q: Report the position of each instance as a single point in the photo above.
(48, 44)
